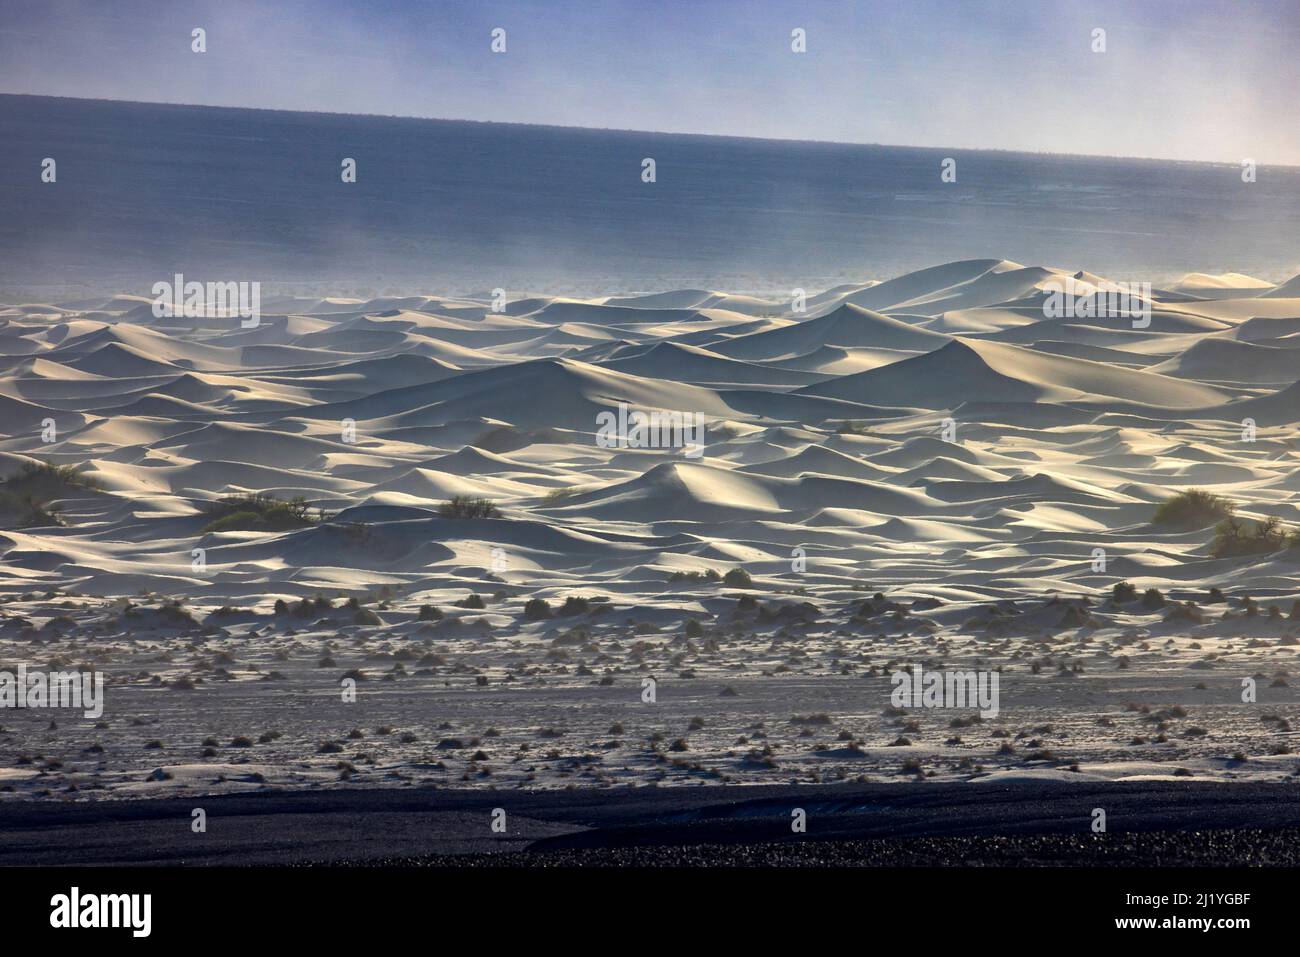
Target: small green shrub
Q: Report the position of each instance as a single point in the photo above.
(574, 605)
(738, 578)
(463, 506)
(537, 609)
(260, 512)
(1194, 508)
(1123, 593)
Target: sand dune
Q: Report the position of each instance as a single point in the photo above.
(1228, 360)
(682, 363)
(847, 325)
(967, 368)
(933, 437)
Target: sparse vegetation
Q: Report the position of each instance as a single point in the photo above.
(708, 575)
(260, 512)
(1234, 537)
(738, 578)
(27, 497)
(574, 605)
(1152, 599)
(463, 506)
(1194, 508)
(537, 609)
(1123, 593)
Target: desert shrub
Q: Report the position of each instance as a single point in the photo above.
(473, 601)
(260, 512)
(537, 609)
(1123, 593)
(708, 575)
(1194, 508)
(463, 506)
(574, 605)
(1152, 599)
(1233, 537)
(429, 613)
(310, 608)
(738, 578)
(47, 480)
(26, 496)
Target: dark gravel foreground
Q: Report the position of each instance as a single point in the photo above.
(1280, 848)
(918, 824)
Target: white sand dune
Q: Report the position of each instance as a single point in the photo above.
(1229, 360)
(1222, 286)
(968, 368)
(934, 438)
(682, 363)
(848, 325)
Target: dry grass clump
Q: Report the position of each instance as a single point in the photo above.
(1233, 538)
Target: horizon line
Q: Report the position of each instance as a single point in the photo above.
(615, 129)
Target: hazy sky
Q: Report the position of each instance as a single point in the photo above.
(1180, 79)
